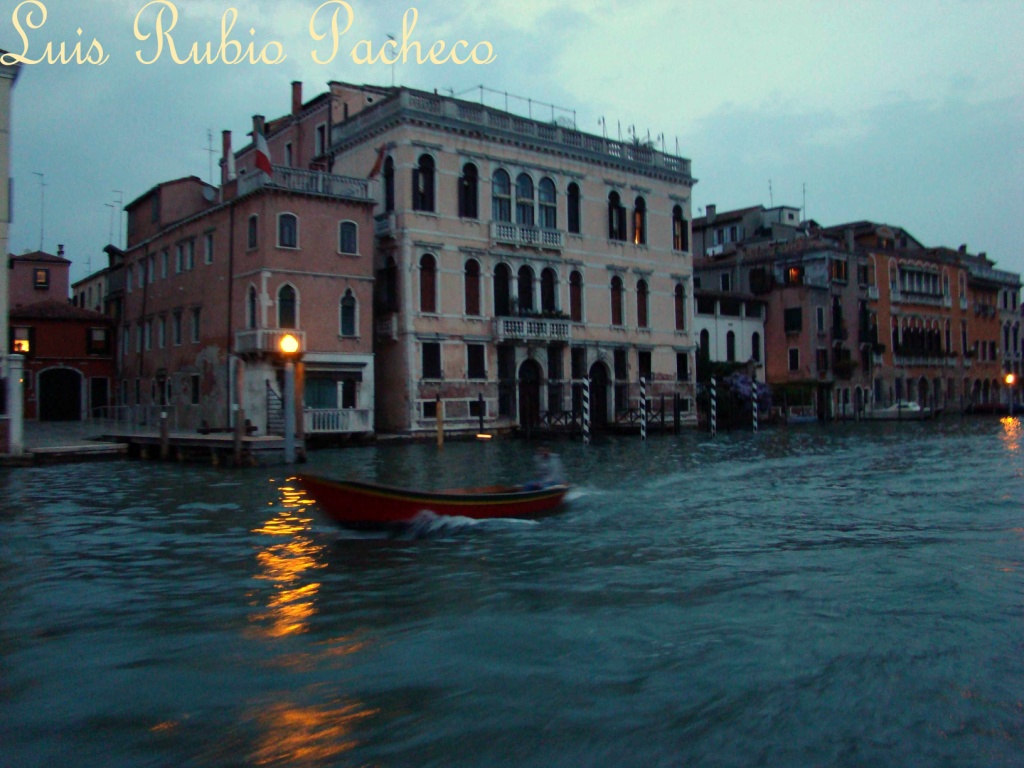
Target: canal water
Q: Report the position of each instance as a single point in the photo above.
(850, 595)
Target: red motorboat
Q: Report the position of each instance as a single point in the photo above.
(360, 504)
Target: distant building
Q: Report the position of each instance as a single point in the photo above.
(69, 366)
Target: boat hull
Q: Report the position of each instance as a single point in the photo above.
(361, 504)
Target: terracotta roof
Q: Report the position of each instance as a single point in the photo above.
(56, 310)
(38, 256)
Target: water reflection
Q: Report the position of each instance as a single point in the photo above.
(1011, 433)
(287, 565)
(311, 735)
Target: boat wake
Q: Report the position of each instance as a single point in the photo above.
(427, 525)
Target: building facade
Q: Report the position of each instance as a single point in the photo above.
(515, 259)
(215, 277)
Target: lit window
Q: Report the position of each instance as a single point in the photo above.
(21, 341)
(640, 221)
(41, 278)
(678, 230)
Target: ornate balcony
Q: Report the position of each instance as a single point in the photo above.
(532, 329)
(519, 235)
(310, 182)
(384, 224)
(263, 341)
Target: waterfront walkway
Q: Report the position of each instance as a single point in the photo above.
(46, 441)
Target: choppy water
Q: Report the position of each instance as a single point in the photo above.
(841, 596)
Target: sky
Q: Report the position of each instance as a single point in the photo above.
(899, 112)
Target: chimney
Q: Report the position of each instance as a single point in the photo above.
(227, 162)
(60, 250)
(296, 97)
(711, 209)
(258, 124)
(963, 248)
(849, 240)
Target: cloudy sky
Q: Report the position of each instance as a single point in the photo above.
(909, 113)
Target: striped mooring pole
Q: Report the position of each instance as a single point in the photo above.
(586, 411)
(643, 408)
(753, 401)
(714, 409)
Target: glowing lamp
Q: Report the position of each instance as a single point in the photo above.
(289, 344)
(1010, 379)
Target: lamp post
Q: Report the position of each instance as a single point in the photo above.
(289, 348)
(1010, 380)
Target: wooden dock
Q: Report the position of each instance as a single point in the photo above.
(216, 447)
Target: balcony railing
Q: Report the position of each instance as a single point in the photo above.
(262, 340)
(532, 329)
(322, 421)
(387, 326)
(310, 182)
(384, 224)
(521, 235)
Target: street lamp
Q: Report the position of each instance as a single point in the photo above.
(289, 348)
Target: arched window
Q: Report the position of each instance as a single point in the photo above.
(348, 314)
(705, 344)
(251, 317)
(616, 217)
(640, 221)
(730, 347)
(573, 208)
(389, 185)
(252, 240)
(548, 204)
(616, 289)
(423, 184)
(679, 238)
(472, 287)
(642, 314)
(287, 307)
(525, 289)
(387, 286)
(524, 200)
(548, 290)
(576, 297)
(428, 283)
(680, 307)
(348, 238)
(501, 196)
(287, 230)
(502, 291)
(755, 347)
(468, 192)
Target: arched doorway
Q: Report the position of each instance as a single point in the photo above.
(599, 395)
(529, 394)
(60, 395)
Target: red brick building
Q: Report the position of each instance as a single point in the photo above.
(69, 363)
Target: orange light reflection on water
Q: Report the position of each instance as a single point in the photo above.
(288, 565)
(1011, 433)
(297, 735)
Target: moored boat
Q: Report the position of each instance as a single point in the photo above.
(361, 504)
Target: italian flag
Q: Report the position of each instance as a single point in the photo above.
(263, 155)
